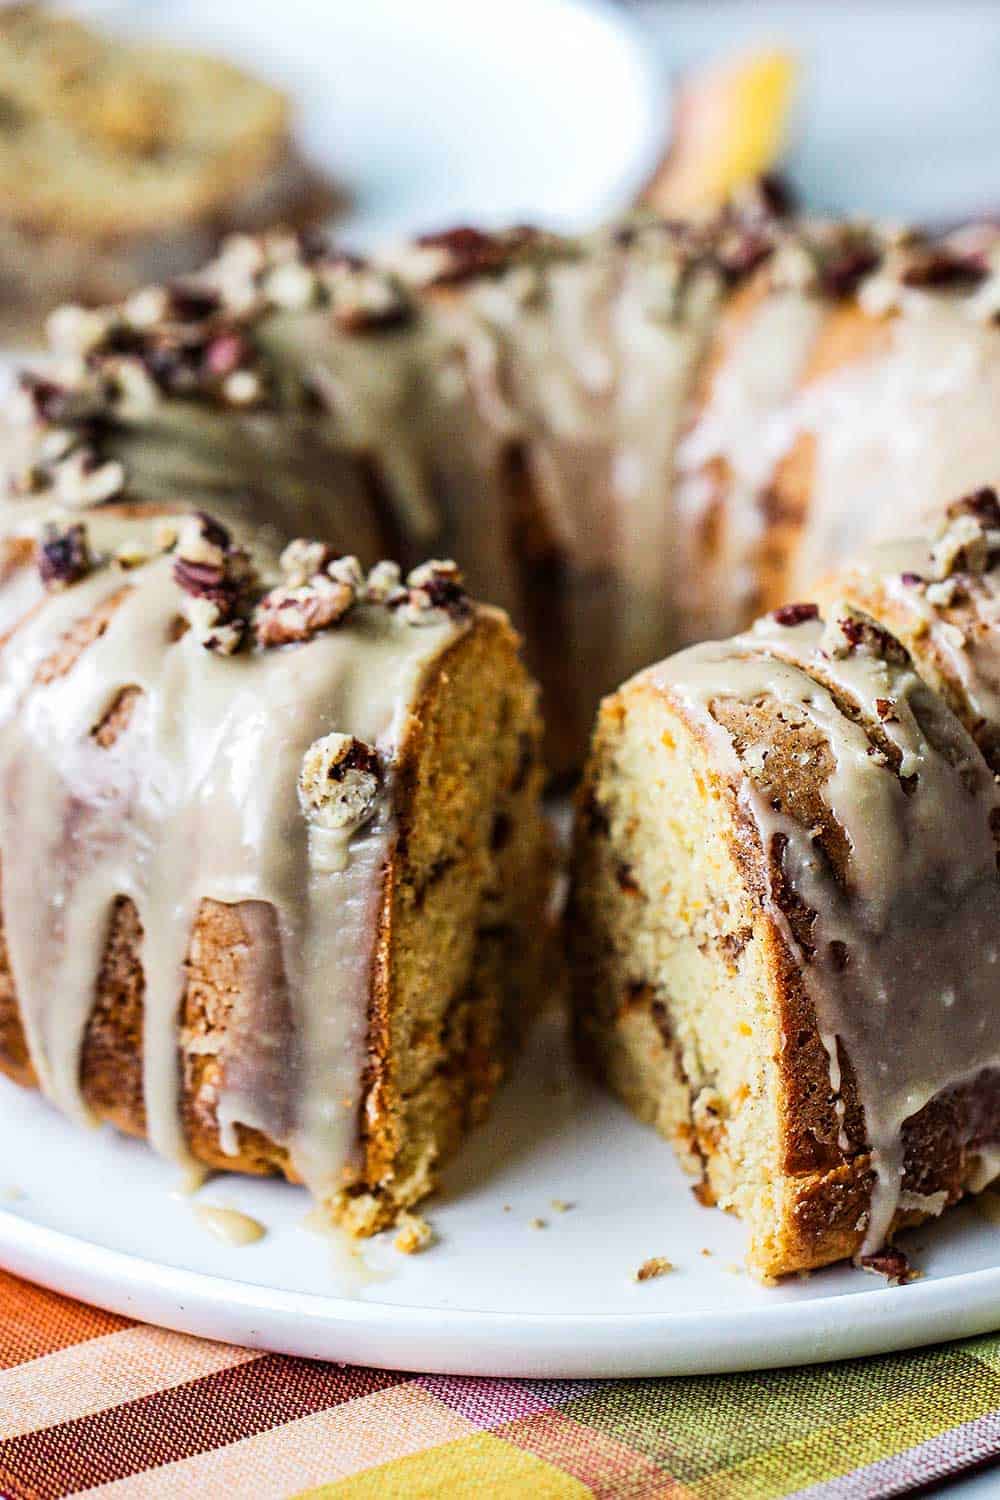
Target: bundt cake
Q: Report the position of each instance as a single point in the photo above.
(274, 872)
(629, 441)
(785, 916)
(123, 160)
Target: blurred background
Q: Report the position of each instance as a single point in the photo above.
(407, 117)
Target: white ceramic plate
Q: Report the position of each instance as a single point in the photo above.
(494, 1295)
(550, 111)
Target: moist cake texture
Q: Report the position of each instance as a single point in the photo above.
(786, 907)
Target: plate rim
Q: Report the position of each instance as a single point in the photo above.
(469, 1341)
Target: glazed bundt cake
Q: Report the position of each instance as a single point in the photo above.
(274, 872)
(123, 160)
(785, 916)
(629, 441)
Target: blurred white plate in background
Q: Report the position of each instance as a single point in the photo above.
(447, 111)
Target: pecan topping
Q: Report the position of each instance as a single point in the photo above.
(886, 710)
(208, 567)
(466, 252)
(841, 272)
(890, 1263)
(302, 559)
(983, 504)
(364, 300)
(795, 614)
(969, 536)
(857, 632)
(48, 399)
(383, 584)
(192, 302)
(64, 557)
(339, 782)
(434, 592)
(287, 615)
(940, 267)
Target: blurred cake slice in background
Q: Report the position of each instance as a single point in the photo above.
(122, 163)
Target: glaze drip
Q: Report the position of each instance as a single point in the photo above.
(196, 798)
(902, 958)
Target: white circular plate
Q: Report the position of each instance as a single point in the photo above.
(497, 1294)
(547, 111)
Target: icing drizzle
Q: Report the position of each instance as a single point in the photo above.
(904, 941)
(197, 798)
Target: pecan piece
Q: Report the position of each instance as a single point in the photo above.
(434, 592)
(288, 615)
(207, 566)
(857, 632)
(339, 782)
(64, 557)
(890, 1263)
(795, 614)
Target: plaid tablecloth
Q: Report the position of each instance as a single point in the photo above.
(94, 1404)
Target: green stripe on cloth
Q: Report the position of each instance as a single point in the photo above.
(693, 1427)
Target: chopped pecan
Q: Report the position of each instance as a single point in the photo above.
(286, 615)
(465, 252)
(64, 557)
(962, 546)
(982, 504)
(191, 302)
(857, 632)
(367, 300)
(302, 559)
(383, 584)
(339, 782)
(208, 566)
(890, 1263)
(795, 614)
(937, 266)
(841, 271)
(434, 592)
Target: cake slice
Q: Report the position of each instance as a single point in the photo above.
(122, 161)
(274, 871)
(785, 925)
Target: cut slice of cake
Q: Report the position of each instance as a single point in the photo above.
(274, 870)
(122, 161)
(785, 925)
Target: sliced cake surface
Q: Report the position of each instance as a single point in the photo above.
(786, 919)
(274, 872)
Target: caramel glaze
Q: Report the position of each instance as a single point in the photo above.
(192, 797)
(890, 905)
(626, 439)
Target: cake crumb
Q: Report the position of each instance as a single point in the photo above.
(506, 1208)
(733, 1268)
(656, 1265)
(705, 1250)
(539, 1224)
(561, 1206)
(415, 1234)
